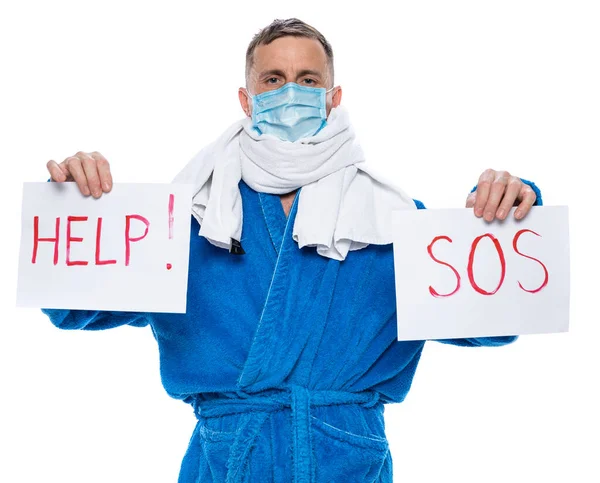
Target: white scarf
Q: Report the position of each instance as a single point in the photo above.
(343, 204)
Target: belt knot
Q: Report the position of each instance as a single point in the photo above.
(256, 408)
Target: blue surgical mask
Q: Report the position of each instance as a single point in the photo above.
(291, 112)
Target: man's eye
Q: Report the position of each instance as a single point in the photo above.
(310, 82)
(272, 80)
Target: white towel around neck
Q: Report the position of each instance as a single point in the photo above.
(343, 204)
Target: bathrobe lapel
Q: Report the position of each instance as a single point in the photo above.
(295, 310)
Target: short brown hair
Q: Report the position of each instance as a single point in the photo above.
(282, 28)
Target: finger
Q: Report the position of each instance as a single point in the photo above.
(75, 168)
(91, 173)
(65, 170)
(56, 173)
(483, 190)
(471, 200)
(103, 171)
(513, 189)
(527, 197)
(496, 194)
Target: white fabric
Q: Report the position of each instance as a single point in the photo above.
(343, 204)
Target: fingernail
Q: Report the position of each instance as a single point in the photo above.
(106, 186)
(96, 194)
(478, 211)
(500, 214)
(86, 190)
(518, 214)
(489, 216)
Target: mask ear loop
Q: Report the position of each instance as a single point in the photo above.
(327, 93)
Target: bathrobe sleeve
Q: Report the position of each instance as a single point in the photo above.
(94, 319)
(486, 341)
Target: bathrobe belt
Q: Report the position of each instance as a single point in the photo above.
(255, 411)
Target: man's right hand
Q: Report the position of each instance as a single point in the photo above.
(90, 171)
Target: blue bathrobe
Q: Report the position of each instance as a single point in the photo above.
(286, 357)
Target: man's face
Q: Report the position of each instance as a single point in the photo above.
(289, 59)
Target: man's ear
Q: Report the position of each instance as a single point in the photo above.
(337, 97)
(245, 101)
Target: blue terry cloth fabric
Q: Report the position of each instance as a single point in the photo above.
(286, 357)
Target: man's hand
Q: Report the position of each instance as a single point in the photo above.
(90, 171)
(497, 192)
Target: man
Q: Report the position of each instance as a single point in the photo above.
(288, 349)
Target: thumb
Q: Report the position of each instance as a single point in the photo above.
(471, 200)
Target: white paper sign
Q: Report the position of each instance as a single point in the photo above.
(459, 276)
(125, 251)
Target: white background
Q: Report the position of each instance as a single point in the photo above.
(438, 91)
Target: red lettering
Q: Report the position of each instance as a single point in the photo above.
(472, 257)
(37, 239)
(70, 238)
(128, 240)
(171, 203)
(98, 236)
(515, 240)
(432, 291)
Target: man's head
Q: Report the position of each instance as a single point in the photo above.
(288, 51)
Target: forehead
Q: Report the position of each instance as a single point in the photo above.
(290, 53)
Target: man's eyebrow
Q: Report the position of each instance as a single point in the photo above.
(271, 72)
(314, 73)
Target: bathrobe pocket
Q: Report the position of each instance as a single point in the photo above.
(216, 445)
(341, 455)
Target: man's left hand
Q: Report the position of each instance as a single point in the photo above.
(497, 192)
